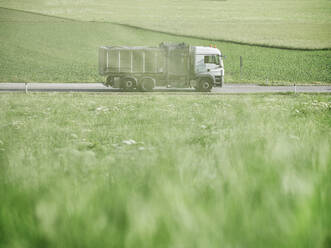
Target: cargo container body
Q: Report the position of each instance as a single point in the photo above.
(175, 65)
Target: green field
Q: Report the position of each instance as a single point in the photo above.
(158, 170)
(287, 23)
(37, 48)
(98, 170)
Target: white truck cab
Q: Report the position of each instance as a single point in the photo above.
(209, 60)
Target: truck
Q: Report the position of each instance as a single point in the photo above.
(176, 65)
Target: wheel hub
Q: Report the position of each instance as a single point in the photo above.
(205, 85)
(129, 84)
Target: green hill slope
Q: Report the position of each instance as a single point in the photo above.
(47, 49)
(286, 23)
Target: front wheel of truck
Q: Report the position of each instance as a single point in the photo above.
(205, 85)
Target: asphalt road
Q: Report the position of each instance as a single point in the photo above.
(98, 87)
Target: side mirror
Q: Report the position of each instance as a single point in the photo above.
(223, 56)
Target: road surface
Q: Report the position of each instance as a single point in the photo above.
(98, 87)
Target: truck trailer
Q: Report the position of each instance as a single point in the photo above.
(171, 65)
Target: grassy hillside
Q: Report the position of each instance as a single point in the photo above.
(83, 170)
(289, 23)
(46, 49)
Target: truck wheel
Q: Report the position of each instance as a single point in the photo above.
(109, 81)
(128, 84)
(147, 84)
(205, 85)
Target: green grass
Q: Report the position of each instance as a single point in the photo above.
(37, 48)
(206, 171)
(289, 23)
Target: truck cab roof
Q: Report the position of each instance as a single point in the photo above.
(206, 50)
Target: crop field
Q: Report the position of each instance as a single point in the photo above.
(285, 23)
(181, 170)
(36, 48)
(94, 170)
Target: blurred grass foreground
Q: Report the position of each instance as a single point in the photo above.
(84, 170)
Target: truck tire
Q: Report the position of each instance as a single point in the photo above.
(205, 85)
(128, 84)
(147, 84)
(109, 81)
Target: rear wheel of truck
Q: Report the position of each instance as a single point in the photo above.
(128, 84)
(205, 85)
(147, 84)
(109, 81)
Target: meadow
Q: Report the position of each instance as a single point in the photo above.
(160, 170)
(281, 23)
(154, 170)
(36, 48)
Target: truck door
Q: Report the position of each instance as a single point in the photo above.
(200, 66)
(212, 62)
(206, 63)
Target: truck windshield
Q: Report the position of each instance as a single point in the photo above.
(212, 59)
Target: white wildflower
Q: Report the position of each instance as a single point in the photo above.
(324, 104)
(129, 142)
(73, 135)
(294, 137)
(102, 108)
(203, 126)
